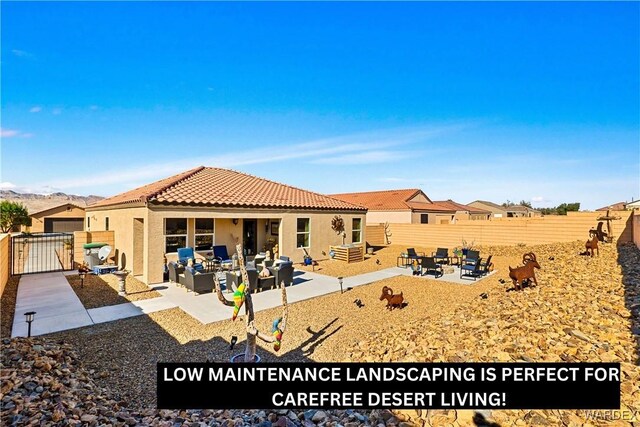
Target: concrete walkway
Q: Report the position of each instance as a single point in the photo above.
(58, 308)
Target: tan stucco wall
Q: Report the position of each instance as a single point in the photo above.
(420, 198)
(122, 224)
(37, 220)
(394, 217)
(5, 260)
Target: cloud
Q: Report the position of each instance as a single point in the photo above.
(35, 109)
(8, 133)
(22, 54)
(56, 111)
(538, 199)
(26, 135)
(361, 148)
(7, 185)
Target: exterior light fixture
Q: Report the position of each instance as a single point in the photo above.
(235, 221)
(29, 315)
(340, 281)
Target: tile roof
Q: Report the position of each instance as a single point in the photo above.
(207, 186)
(387, 200)
(620, 206)
(491, 204)
(56, 207)
(460, 207)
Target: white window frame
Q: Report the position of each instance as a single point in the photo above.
(196, 235)
(164, 231)
(303, 232)
(359, 230)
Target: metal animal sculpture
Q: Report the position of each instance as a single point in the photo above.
(525, 272)
(592, 244)
(393, 301)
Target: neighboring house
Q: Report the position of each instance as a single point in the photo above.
(621, 206)
(499, 211)
(409, 206)
(64, 218)
(211, 206)
(633, 205)
(519, 211)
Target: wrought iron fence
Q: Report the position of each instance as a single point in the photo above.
(40, 253)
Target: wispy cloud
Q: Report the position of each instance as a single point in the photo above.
(35, 109)
(8, 133)
(361, 148)
(7, 185)
(26, 135)
(22, 54)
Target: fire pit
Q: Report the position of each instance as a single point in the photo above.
(122, 276)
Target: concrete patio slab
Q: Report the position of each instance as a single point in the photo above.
(57, 306)
(451, 277)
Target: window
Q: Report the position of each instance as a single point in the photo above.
(175, 234)
(356, 230)
(303, 233)
(204, 234)
(106, 223)
(424, 218)
(88, 223)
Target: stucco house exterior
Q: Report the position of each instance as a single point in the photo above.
(65, 218)
(514, 211)
(621, 206)
(209, 206)
(410, 206)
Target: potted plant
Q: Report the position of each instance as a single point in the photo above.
(466, 246)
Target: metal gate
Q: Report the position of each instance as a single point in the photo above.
(42, 252)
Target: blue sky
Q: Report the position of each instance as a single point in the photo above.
(495, 101)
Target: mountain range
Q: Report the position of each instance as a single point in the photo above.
(39, 202)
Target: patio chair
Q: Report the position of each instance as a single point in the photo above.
(472, 257)
(412, 254)
(485, 266)
(198, 282)
(220, 252)
(441, 255)
(184, 254)
(429, 265)
(283, 272)
(471, 270)
(175, 270)
(233, 280)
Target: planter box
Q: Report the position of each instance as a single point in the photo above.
(349, 254)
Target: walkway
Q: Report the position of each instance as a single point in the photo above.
(58, 308)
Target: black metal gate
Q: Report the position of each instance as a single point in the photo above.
(42, 252)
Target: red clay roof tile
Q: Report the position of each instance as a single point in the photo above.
(207, 186)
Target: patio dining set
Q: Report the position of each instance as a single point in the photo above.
(198, 277)
(469, 262)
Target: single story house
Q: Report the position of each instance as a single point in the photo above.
(499, 211)
(209, 206)
(621, 206)
(64, 218)
(410, 206)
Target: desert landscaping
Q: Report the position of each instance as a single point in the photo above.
(559, 320)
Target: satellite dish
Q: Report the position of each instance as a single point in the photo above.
(104, 252)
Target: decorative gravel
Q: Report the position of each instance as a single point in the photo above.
(102, 290)
(8, 306)
(584, 309)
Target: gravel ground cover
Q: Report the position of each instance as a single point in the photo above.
(8, 306)
(584, 309)
(102, 290)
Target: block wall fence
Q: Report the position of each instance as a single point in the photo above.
(506, 232)
(5, 260)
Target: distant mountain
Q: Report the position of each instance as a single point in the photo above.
(40, 202)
